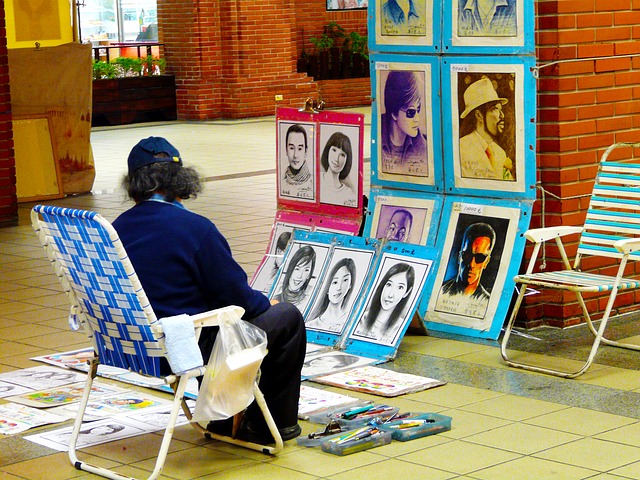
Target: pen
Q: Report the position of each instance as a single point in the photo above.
(347, 436)
(356, 411)
(360, 436)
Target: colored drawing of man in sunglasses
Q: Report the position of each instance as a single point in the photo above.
(480, 154)
(404, 145)
(463, 293)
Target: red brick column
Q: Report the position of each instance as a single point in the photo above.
(8, 198)
(231, 57)
(583, 107)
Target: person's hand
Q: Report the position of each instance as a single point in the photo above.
(274, 301)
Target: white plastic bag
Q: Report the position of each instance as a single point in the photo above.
(227, 386)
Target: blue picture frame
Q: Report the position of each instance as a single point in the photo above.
(507, 168)
(417, 165)
(510, 30)
(383, 346)
(421, 219)
(473, 283)
(389, 30)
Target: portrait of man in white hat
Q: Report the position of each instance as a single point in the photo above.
(482, 127)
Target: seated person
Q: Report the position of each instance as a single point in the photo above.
(185, 266)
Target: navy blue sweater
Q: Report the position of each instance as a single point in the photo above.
(183, 261)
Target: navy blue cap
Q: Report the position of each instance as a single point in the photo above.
(144, 153)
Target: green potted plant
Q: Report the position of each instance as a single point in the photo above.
(128, 90)
(356, 59)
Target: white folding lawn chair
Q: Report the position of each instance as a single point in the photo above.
(109, 304)
(611, 231)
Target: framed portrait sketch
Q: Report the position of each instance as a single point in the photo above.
(339, 165)
(296, 172)
(404, 216)
(333, 5)
(481, 253)
(297, 280)
(391, 298)
(412, 26)
(489, 27)
(332, 361)
(340, 288)
(406, 119)
(489, 112)
(281, 235)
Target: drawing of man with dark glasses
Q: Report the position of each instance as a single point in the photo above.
(464, 293)
(404, 144)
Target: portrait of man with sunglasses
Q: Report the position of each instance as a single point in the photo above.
(403, 143)
(463, 293)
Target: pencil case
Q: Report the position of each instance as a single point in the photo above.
(339, 445)
(416, 426)
(326, 415)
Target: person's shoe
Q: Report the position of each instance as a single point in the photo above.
(250, 432)
(221, 427)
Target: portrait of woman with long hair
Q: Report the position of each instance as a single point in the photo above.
(297, 277)
(388, 303)
(331, 313)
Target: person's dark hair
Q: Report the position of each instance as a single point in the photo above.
(299, 129)
(405, 214)
(324, 297)
(341, 141)
(476, 230)
(400, 90)
(283, 241)
(376, 305)
(169, 179)
(303, 255)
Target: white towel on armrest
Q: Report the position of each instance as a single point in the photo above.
(180, 341)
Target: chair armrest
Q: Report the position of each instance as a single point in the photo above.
(211, 318)
(539, 235)
(628, 245)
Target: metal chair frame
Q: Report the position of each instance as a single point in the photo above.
(109, 304)
(611, 230)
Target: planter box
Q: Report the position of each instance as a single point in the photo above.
(133, 100)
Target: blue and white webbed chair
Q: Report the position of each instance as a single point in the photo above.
(109, 304)
(609, 238)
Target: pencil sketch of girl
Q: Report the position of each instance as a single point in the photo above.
(336, 162)
(325, 363)
(297, 277)
(331, 313)
(387, 305)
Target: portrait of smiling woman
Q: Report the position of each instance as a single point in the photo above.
(337, 161)
(388, 303)
(297, 277)
(332, 311)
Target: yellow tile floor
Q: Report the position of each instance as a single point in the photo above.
(507, 424)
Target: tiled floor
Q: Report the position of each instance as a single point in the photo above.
(507, 424)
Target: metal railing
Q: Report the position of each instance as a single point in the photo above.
(126, 49)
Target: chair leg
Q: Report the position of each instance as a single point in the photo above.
(598, 338)
(527, 366)
(269, 450)
(166, 439)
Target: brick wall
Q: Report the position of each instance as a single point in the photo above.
(583, 107)
(8, 199)
(231, 57)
